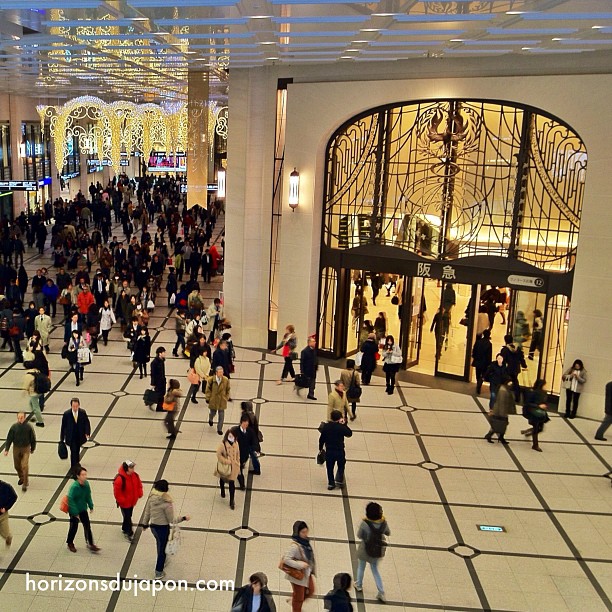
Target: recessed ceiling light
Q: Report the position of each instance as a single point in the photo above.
(515, 12)
(385, 14)
(359, 42)
(347, 57)
(456, 40)
(370, 30)
(352, 50)
(260, 17)
(525, 48)
(557, 39)
(271, 58)
(597, 27)
(268, 42)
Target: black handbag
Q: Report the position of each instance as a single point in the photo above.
(302, 381)
(62, 450)
(321, 456)
(150, 397)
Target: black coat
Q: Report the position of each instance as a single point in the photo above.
(482, 352)
(68, 329)
(495, 374)
(332, 436)
(246, 442)
(221, 358)
(142, 349)
(309, 362)
(75, 433)
(368, 360)
(513, 359)
(8, 497)
(158, 374)
(243, 600)
(339, 601)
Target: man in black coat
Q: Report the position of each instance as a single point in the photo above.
(221, 357)
(8, 497)
(76, 429)
(482, 355)
(309, 363)
(206, 264)
(247, 444)
(98, 288)
(332, 438)
(158, 376)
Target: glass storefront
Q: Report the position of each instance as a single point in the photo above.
(428, 209)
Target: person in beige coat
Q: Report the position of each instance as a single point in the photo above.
(217, 394)
(337, 400)
(348, 377)
(228, 453)
(43, 325)
(300, 556)
(201, 369)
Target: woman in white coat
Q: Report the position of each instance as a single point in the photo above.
(107, 319)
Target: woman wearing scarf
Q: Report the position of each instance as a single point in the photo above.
(373, 528)
(228, 454)
(159, 515)
(300, 556)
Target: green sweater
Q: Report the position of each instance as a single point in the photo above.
(79, 498)
(21, 435)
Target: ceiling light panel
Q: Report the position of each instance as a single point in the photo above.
(323, 19)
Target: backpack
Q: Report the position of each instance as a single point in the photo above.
(4, 324)
(375, 544)
(122, 480)
(42, 383)
(354, 391)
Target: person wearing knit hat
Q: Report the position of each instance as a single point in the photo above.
(254, 596)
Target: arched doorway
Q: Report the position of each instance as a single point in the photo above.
(447, 207)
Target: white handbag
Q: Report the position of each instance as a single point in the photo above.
(173, 299)
(150, 305)
(174, 540)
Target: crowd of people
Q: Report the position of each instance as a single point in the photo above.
(102, 281)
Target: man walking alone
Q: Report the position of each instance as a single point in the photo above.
(21, 435)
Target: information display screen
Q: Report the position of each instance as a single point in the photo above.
(160, 162)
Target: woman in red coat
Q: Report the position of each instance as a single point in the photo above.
(214, 260)
(127, 488)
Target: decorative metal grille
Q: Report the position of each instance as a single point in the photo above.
(451, 178)
(327, 309)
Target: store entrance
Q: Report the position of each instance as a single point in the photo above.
(436, 322)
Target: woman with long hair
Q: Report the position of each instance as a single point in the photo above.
(392, 358)
(79, 355)
(535, 411)
(142, 351)
(107, 319)
(574, 379)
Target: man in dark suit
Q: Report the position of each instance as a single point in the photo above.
(308, 365)
(158, 376)
(98, 288)
(247, 442)
(206, 263)
(120, 256)
(70, 325)
(76, 430)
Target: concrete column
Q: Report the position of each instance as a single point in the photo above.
(19, 197)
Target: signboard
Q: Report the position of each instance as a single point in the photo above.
(19, 185)
(493, 528)
(160, 162)
(519, 280)
(44, 181)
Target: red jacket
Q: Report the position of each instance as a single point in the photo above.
(84, 300)
(129, 493)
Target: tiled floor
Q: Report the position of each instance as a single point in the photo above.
(419, 453)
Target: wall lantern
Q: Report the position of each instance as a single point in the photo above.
(294, 189)
(221, 183)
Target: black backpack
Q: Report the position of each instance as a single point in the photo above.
(42, 384)
(354, 391)
(375, 544)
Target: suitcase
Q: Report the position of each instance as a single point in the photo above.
(150, 397)
(302, 381)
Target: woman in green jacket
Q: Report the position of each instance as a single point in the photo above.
(79, 500)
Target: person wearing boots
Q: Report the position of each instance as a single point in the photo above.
(228, 465)
(158, 376)
(498, 416)
(514, 360)
(141, 354)
(127, 489)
